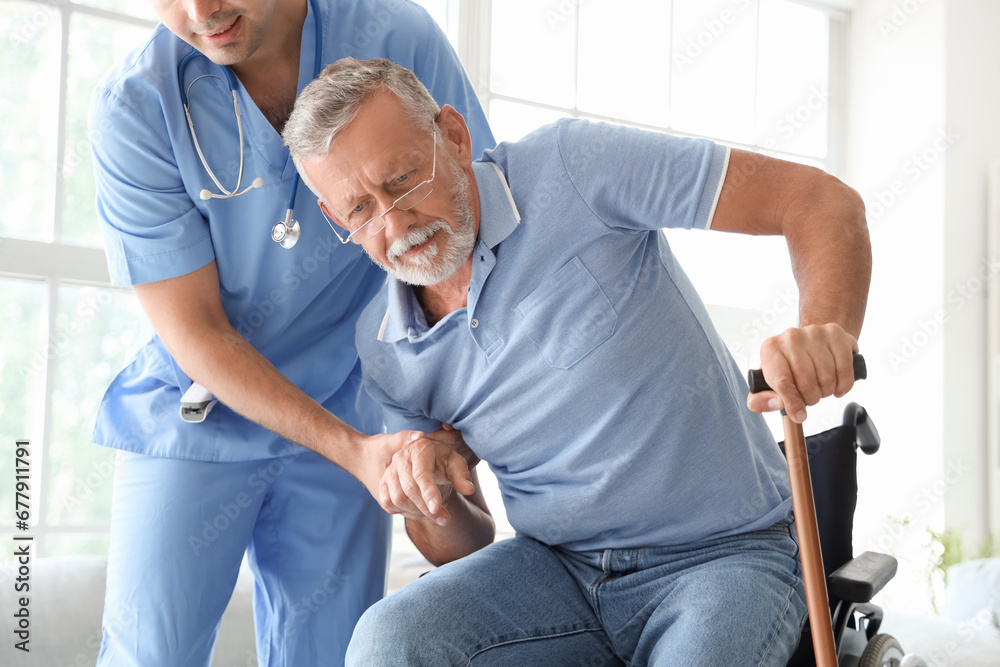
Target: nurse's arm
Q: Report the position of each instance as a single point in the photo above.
(187, 314)
(823, 222)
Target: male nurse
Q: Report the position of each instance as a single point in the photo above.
(283, 467)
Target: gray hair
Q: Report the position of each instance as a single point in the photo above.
(328, 104)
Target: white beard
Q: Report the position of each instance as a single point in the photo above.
(453, 247)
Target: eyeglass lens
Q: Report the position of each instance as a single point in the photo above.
(369, 229)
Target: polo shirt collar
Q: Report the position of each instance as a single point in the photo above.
(498, 214)
(498, 218)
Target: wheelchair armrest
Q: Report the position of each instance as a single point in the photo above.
(861, 578)
(867, 438)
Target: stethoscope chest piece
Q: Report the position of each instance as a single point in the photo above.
(286, 233)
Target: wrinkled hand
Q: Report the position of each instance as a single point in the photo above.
(803, 365)
(423, 474)
(375, 454)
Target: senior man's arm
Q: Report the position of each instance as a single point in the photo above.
(823, 222)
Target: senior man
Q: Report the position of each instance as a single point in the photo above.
(534, 305)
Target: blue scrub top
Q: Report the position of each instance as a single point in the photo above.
(297, 306)
(585, 369)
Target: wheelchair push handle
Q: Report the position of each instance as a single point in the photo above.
(755, 377)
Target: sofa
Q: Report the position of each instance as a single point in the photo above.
(967, 631)
(65, 607)
(67, 601)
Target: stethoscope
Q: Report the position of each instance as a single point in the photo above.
(284, 232)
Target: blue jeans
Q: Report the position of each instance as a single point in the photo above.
(731, 601)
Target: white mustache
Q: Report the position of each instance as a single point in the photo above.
(415, 238)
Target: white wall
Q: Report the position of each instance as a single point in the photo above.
(924, 120)
(973, 112)
(896, 110)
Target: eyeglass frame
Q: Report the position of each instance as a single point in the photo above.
(382, 215)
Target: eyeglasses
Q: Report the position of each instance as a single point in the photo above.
(362, 232)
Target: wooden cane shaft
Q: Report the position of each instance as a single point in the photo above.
(812, 557)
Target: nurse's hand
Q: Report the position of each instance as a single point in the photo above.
(373, 454)
(423, 475)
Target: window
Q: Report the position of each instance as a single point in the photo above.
(750, 73)
(66, 329)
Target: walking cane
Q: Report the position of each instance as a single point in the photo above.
(817, 601)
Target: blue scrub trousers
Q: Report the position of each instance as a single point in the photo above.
(735, 601)
(316, 541)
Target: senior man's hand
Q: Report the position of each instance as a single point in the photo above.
(423, 474)
(803, 365)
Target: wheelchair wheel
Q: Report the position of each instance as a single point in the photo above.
(882, 651)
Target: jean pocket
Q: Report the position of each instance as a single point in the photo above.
(568, 315)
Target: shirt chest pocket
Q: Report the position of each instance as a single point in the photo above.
(568, 315)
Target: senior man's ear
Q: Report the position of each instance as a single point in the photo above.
(455, 133)
(328, 214)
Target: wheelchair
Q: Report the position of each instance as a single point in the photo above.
(851, 581)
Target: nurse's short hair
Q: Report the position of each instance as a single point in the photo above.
(328, 104)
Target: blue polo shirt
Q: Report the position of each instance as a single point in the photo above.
(585, 370)
(298, 306)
